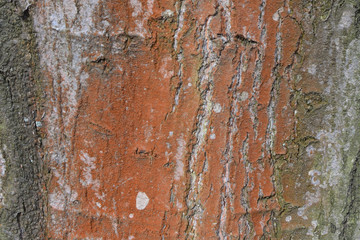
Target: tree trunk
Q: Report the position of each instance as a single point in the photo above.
(187, 119)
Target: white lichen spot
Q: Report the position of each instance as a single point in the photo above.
(139, 29)
(325, 230)
(179, 205)
(276, 16)
(131, 237)
(226, 5)
(217, 108)
(310, 150)
(167, 13)
(313, 226)
(2, 165)
(148, 132)
(314, 177)
(138, 13)
(180, 153)
(142, 201)
(89, 166)
(346, 19)
(310, 198)
(2, 174)
(150, 6)
(137, 6)
(84, 13)
(57, 21)
(57, 201)
(301, 212)
(166, 68)
(212, 136)
(114, 223)
(312, 69)
(288, 218)
(38, 124)
(171, 133)
(70, 9)
(131, 215)
(244, 96)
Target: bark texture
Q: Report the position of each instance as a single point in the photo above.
(206, 119)
(21, 205)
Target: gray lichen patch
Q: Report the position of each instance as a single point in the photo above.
(21, 215)
(323, 169)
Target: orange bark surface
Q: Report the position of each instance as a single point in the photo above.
(164, 116)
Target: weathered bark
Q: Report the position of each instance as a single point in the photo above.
(21, 212)
(319, 176)
(180, 119)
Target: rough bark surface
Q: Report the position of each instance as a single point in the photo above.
(319, 175)
(207, 119)
(163, 116)
(21, 205)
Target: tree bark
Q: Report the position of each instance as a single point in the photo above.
(206, 119)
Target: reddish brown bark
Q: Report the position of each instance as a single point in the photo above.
(201, 119)
(183, 101)
(187, 119)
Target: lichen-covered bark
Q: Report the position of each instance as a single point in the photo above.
(319, 175)
(183, 119)
(21, 205)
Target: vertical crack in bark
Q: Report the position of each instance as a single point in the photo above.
(227, 194)
(179, 55)
(205, 86)
(180, 22)
(352, 210)
(246, 228)
(226, 6)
